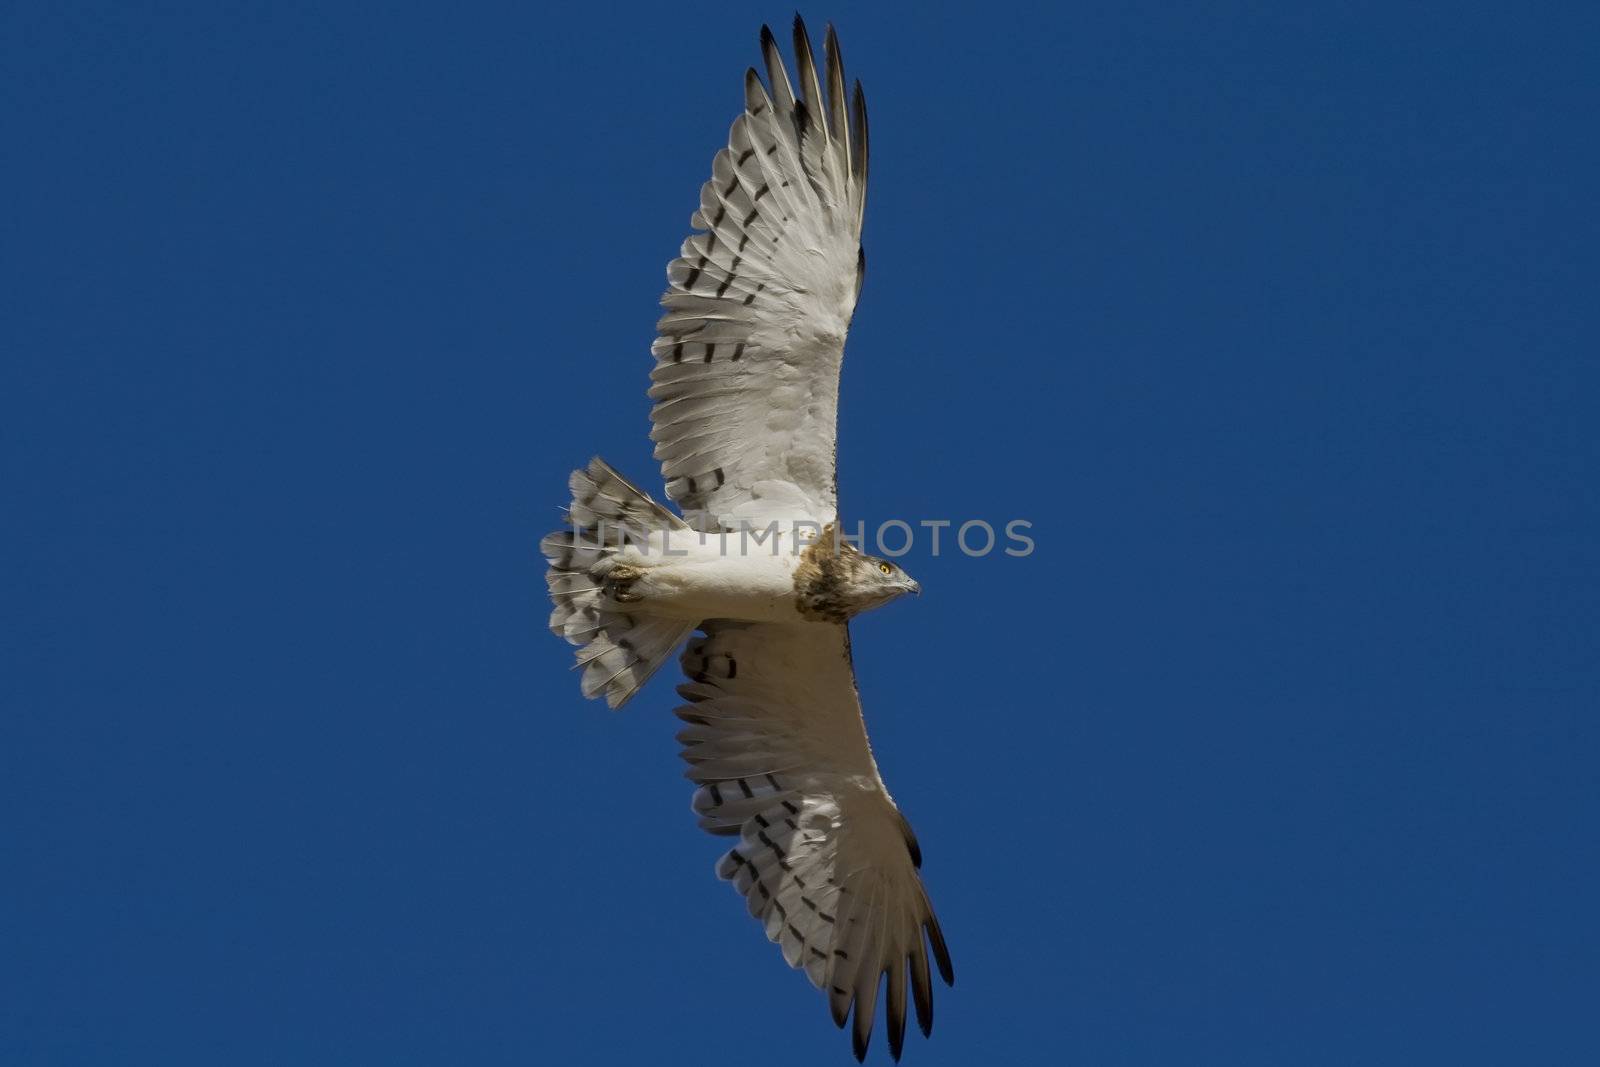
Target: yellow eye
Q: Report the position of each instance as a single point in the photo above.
(887, 568)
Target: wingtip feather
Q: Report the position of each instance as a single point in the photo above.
(941, 953)
(860, 1035)
(895, 1009)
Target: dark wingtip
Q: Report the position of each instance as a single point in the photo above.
(861, 1032)
(767, 39)
(896, 1018)
(910, 836)
(941, 953)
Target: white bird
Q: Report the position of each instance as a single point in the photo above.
(746, 388)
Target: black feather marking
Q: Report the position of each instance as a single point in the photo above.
(738, 349)
(763, 191)
(773, 782)
(762, 820)
(716, 794)
(792, 809)
(720, 481)
(745, 155)
(744, 787)
(677, 352)
(733, 275)
(766, 894)
(733, 669)
(710, 349)
(755, 213)
(722, 213)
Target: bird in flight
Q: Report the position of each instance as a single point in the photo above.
(745, 390)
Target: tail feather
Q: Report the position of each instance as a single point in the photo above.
(618, 651)
(603, 499)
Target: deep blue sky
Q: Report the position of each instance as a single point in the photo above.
(1281, 326)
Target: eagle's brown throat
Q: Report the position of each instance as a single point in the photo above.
(822, 576)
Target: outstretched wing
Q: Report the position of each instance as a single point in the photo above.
(825, 860)
(746, 382)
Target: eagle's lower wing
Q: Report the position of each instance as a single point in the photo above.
(746, 382)
(825, 860)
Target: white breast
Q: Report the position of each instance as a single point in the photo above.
(717, 576)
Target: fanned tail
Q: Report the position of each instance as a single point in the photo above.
(618, 651)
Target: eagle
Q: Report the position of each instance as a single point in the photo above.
(754, 579)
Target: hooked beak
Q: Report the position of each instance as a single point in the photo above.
(913, 587)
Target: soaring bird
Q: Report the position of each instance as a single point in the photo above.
(745, 391)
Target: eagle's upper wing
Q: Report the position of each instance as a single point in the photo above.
(824, 859)
(746, 382)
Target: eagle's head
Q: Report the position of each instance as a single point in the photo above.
(835, 580)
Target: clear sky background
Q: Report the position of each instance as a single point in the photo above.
(1278, 321)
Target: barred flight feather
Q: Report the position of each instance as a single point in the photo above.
(759, 302)
(774, 739)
